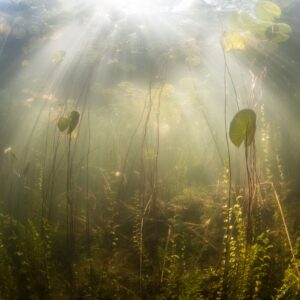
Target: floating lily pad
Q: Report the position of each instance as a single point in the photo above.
(267, 10)
(233, 40)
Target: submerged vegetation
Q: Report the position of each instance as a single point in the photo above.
(149, 152)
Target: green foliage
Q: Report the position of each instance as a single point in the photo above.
(249, 268)
(290, 285)
(8, 282)
(200, 285)
(261, 266)
(259, 29)
(290, 289)
(24, 260)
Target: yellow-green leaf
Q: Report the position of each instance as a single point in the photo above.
(242, 127)
(233, 40)
(267, 10)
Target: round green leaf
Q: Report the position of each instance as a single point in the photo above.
(267, 10)
(242, 127)
(63, 123)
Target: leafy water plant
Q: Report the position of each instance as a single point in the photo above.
(267, 10)
(70, 123)
(242, 129)
(259, 29)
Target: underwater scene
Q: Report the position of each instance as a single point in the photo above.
(150, 150)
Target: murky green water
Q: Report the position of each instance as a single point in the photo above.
(149, 150)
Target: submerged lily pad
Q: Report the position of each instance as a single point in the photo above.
(233, 40)
(69, 122)
(267, 10)
(73, 120)
(261, 27)
(63, 123)
(242, 127)
(278, 32)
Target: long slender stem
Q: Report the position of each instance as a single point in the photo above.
(229, 178)
(288, 237)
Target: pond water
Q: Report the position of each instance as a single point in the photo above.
(149, 149)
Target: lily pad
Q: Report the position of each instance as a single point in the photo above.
(63, 123)
(74, 119)
(242, 127)
(267, 10)
(233, 40)
(278, 32)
